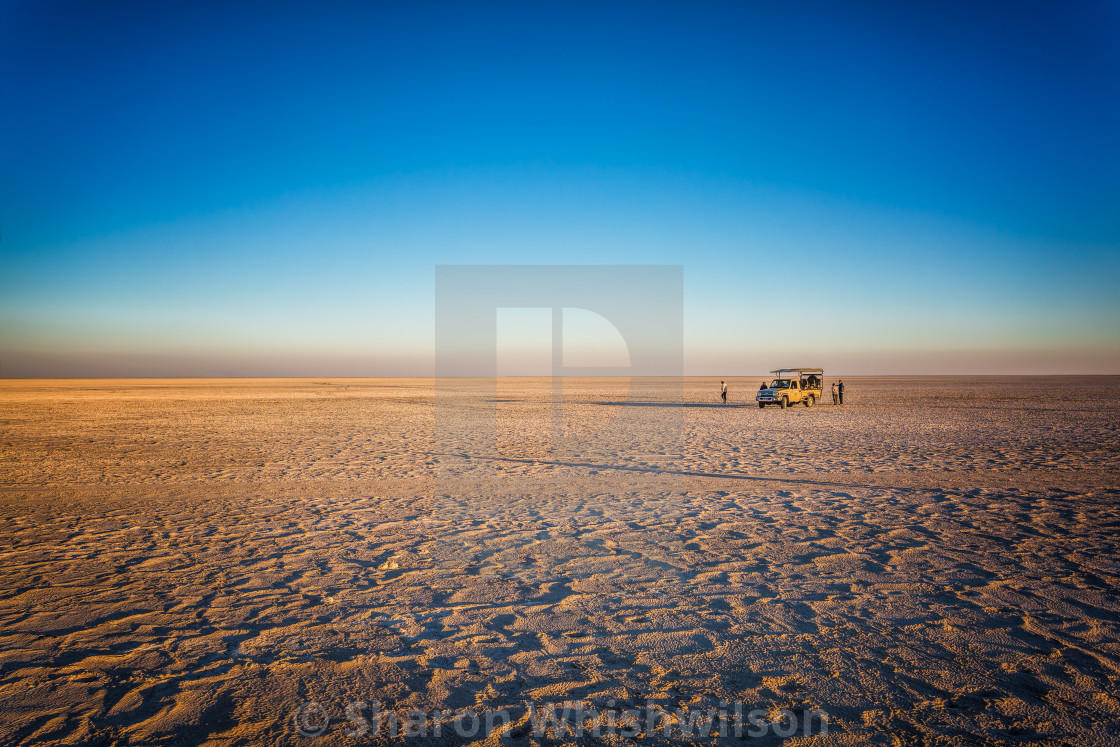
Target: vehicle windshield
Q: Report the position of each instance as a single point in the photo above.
(780, 384)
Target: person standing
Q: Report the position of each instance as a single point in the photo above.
(835, 393)
(841, 388)
(723, 392)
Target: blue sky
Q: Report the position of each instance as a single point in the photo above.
(265, 189)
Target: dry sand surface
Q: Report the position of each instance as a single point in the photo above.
(190, 562)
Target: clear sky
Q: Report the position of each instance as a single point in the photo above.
(261, 189)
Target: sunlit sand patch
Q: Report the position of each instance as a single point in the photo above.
(193, 560)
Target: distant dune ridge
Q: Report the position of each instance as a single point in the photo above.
(196, 561)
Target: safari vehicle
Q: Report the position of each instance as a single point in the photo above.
(792, 385)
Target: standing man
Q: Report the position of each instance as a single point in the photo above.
(723, 392)
(835, 393)
(841, 391)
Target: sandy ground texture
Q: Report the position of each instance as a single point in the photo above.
(189, 562)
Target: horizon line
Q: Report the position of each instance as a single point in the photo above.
(643, 376)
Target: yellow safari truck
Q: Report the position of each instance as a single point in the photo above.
(792, 385)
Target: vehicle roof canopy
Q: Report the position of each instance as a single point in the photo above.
(799, 371)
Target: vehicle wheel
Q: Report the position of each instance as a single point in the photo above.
(784, 403)
(809, 401)
(761, 406)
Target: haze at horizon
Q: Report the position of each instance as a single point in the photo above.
(259, 191)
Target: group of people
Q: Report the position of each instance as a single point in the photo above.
(837, 391)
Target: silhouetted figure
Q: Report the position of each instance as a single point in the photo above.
(723, 392)
(841, 387)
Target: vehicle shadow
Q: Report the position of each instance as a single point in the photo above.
(670, 404)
